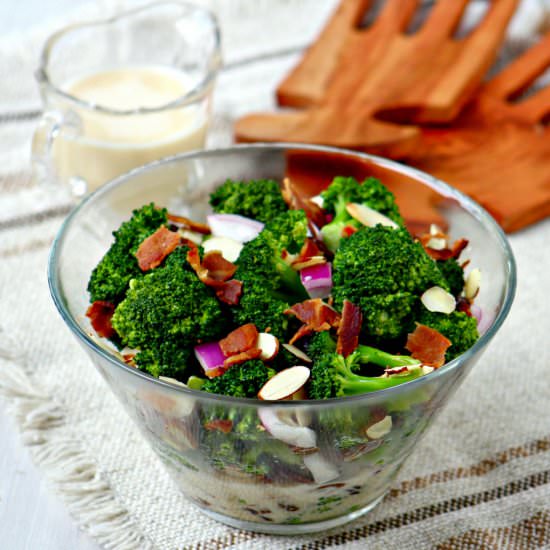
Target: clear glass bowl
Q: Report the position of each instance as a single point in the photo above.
(326, 466)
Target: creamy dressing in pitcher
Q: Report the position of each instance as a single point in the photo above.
(104, 145)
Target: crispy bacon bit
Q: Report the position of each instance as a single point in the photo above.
(219, 424)
(216, 371)
(299, 201)
(464, 305)
(309, 255)
(348, 231)
(100, 314)
(229, 292)
(190, 224)
(428, 346)
(315, 315)
(238, 358)
(240, 339)
(218, 267)
(156, 247)
(349, 329)
(444, 253)
(214, 271)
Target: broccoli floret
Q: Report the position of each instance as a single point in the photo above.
(320, 346)
(244, 380)
(383, 271)
(110, 278)
(166, 311)
(167, 359)
(344, 190)
(453, 274)
(458, 327)
(258, 199)
(334, 376)
(270, 285)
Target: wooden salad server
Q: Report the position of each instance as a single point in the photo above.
(351, 77)
(498, 150)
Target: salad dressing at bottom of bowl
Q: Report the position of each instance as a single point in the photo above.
(98, 145)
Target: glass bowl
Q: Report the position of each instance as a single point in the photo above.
(332, 460)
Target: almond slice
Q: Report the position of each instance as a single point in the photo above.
(172, 381)
(321, 469)
(318, 200)
(426, 369)
(314, 260)
(367, 216)
(269, 345)
(473, 284)
(380, 429)
(298, 353)
(286, 384)
(438, 300)
(228, 248)
(437, 243)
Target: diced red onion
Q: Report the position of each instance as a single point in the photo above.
(291, 434)
(317, 280)
(484, 320)
(321, 469)
(210, 356)
(236, 227)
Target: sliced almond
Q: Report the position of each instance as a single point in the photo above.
(426, 369)
(367, 216)
(438, 300)
(192, 236)
(380, 429)
(435, 230)
(298, 353)
(318, 200)
(172, 381)
(284, 384)
(269, 345)
(437, 243)
(228, 248)
(310, 262)
(321, 469)
(473, 284)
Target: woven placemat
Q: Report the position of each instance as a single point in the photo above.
(479, 479)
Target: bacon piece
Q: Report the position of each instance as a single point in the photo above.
(152, 250)
(348, 231)
(252, 353)
(216, 371)
(464, 306)
(240, 339)
(214, 271)
(219, 424)
(445, 253)
(349, 329)
(218, 267)
(229, 292)
(428, 346)
(190, 224)
(298, 201)
(309, 255)
(315, 315)
(100, 314)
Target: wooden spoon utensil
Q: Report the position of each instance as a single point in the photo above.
(498, 150)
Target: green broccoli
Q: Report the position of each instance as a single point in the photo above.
(270, 285)
(320, 345)
(258, 199)
(110, 278)
(454, 275)
(165, 313)
(335, 376)
(383, 271)
(458, 327)
(344, 190)
(244, 380)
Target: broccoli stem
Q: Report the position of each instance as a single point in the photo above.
(366, 354)
(353, 384)
(291, 281)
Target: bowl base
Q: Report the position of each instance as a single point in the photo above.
(293, 528)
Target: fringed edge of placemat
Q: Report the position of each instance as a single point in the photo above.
(62, 458)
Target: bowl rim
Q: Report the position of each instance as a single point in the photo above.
(476, 210)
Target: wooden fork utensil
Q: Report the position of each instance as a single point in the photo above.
(352, 77)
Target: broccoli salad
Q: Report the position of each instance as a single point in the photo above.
(339, 288)
(279, 297)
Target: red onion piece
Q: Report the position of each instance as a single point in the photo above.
(210, 357)
(236, 227)
(317, 280)
(484, 320)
